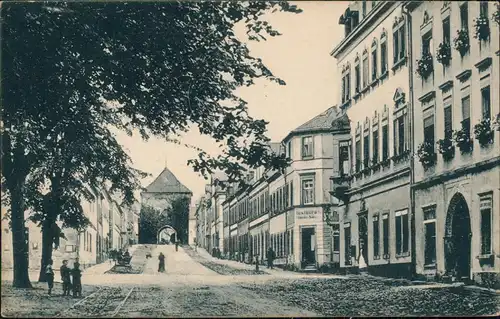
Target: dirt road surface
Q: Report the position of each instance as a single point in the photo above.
(197, 285)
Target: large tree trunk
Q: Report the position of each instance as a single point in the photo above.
(19, 243)
(47, 242)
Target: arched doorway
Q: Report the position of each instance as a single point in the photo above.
(457, 238)
(166, 234)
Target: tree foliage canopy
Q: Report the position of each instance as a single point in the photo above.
(72, 71)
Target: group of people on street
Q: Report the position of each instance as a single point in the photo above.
(67, 274)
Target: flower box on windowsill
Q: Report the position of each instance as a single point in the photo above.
(403, 254)
(463, 141)
(486, 259)
(398, 64)
(425, 66)
(358, 174)
(376, 166)
(461, 42)
(426, 154)
(446, 148)
(443, 54)
(366, 171)
(483, 132)
(481, 28)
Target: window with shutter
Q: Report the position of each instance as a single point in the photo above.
(376, 237)
(464, 16)
(486, 231)
(375, 147)
(446, 30)
(395, 37)
(385, 234)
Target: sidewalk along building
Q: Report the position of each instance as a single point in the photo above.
(455, 80)
(371, 175)
(160, 194)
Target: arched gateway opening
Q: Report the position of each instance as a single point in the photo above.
(457, 238)
(166, 234)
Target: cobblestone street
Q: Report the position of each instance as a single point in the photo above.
(195, 285)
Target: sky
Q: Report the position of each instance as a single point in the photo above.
(300, 56)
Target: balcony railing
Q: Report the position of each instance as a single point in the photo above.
(339, 185)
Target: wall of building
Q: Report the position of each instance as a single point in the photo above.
(473, 174)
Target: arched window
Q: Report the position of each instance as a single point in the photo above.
(374, 59)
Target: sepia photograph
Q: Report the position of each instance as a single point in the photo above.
(211, 158)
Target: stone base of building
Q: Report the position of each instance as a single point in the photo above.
(400, 270)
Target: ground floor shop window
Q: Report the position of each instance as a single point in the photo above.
(485, 208)
(430, 236)
(347, 243)
(385, 234)
(376, 238)
(402, 232)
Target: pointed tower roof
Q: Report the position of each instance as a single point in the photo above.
(166, 182)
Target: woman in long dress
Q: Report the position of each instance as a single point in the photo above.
(161, 266)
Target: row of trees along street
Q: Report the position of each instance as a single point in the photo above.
(165, 66)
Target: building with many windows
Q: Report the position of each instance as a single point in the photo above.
(455, 81)
(285, 211)
(371, 177)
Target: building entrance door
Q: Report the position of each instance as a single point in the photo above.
(308, 247)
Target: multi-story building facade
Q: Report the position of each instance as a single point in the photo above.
(285, 211)
(87, 245)
(372, 172)
(455, 82)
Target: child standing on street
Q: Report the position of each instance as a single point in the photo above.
(49, 273)
(77, 280)
(66, 278)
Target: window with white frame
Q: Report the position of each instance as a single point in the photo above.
(385, 142)
(366, 149)
(400, 136)
(486, 102)
(485, 207)
(430, 235)
(383, 52)
(375, 142)
(347, 243)
(466, 125)
(307, 146)
(344, 158)
(399, 40)
(402, 232)
(366, 69)
(307, 190)
(346, 84)
(358, 153)
(385, 234)
(289, 149)
(357, 75)
(429, 129)
(376, 236)
(448, 118)
(374, 60)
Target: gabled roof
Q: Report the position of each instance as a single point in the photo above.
(166, 182)
(320, 123)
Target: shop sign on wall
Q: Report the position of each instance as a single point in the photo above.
(307, 214)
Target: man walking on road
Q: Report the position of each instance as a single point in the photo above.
(270, 258)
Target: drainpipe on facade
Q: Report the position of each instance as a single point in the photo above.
(412, 134)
